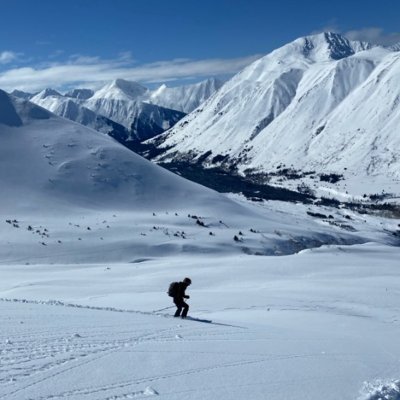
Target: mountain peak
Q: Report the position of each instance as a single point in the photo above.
(121, 89)
(130, 88)
(8, 114)
(21, 94)
(330, 45)
(16, 112)
(48, 92)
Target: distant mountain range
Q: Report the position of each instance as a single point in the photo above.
(126, 109)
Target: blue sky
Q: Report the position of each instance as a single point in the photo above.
(61, 43)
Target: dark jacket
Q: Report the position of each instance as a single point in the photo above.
(181, 291)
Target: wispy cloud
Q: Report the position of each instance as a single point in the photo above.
(92, 71)
(374, 35)
(7, 57)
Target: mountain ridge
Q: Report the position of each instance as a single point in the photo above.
(285, 110)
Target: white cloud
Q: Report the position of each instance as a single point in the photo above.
(93, 72)
(7, 57)
(374, 35)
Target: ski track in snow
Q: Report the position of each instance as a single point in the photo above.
(70, 340)
(37, 357)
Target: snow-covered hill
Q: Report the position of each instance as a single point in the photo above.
(321, 103)
(66, 161)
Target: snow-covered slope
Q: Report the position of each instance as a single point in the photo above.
(92, 235)
(126, 108)
(66, 161)
(321, 103)
(185, 98)
(323, 324)
(54, 173)
(66, 107)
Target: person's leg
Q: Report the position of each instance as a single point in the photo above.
(178, 304)
(185, 309)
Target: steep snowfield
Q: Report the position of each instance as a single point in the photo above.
(66, 107)
(185, 98)
(143, 119)
(320, 103)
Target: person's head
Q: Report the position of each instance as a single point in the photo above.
(187, 281)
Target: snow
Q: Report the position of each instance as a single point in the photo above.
(129, 105)
(92, 235)
(320, 323)
(185, 98)
(320, 103)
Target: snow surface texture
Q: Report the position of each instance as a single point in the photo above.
(322, 324)
(321, 103)
(144, 112)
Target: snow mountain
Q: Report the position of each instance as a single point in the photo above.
(22, 95)
(66, 107)
(185, 98)
(140, 112)
(123, 102)
(321, 103)
(113, 108)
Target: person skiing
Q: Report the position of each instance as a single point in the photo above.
(179, 295)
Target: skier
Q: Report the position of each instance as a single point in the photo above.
(177, 291)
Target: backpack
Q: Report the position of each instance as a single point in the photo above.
(173, 289)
